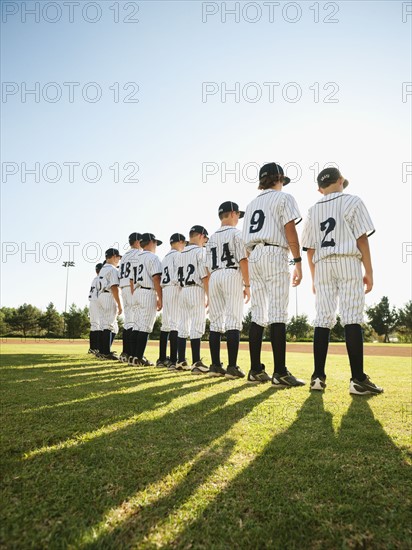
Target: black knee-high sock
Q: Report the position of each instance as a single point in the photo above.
(133, 343)
(278, 341)
(255, 346)
(195, 345)
(99, 340)
(112, 337)
(142, 338)
(173, 345)
(232, 341)
(129, 342)
(94, 342)
(354, 345)
(124, 340)
(91, 338)
(181, 349)
(164, 336)
(214, 346)
(105, 344)
(320, 350)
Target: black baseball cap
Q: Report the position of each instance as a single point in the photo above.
(110, 252)
(133, 237)
(177, 238)
(273, 169)
(147, 237)
(230, 206)
(330, 175)
(98, 267)
(199, 229)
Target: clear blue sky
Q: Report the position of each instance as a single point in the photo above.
(179, 138)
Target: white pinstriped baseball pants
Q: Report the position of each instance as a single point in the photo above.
(339, 278)
(127, 307)
(94, 315)
(144, 309)
(170, 313)
(269, 284)
(225, 300)
(108, 312)
(192, 321)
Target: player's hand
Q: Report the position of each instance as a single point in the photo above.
(297, 275)
(206, 301)
(368, 282)
(119, 310)
(313, 289)
(246, 294)
(159, 304)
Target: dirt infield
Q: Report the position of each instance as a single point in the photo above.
(383, 350)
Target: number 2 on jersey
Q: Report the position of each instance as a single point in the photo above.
(181, 276)
(328, 226)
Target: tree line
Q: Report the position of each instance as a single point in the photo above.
(27, 320)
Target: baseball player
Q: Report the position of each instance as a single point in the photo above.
(228, 287)
(269, 232)
(109, 302)
(193, 277)
(335, 237)
(147, 294)
(124, 283)
(170, 296)
(94, 313)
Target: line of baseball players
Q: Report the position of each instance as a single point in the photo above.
(229, 268)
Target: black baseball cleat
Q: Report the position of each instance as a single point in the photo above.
(199, 368)
(163, 363)
(286, 380)
(366, 387)
(255, 377)
(234, 372)
(216, 371)
(318, 383)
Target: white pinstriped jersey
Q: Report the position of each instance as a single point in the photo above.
(266, 217)
(334, 224)
(126, 266)
(191, 266)
(143, 267)
(225, 249)
(108, 277)
(169, 268)
(93, 293)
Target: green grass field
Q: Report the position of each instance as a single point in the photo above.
(101, 455)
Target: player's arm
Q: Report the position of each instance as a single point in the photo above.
(311, 253)
(293, 242)
(244, 269)
(158, 289)
(205, 281)
(363, 244)
(116, 296)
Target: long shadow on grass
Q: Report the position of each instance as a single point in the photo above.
(47, 428)
(10, 360)
(83, 483)
(312, 488)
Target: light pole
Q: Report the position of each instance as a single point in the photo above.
(66, 265)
